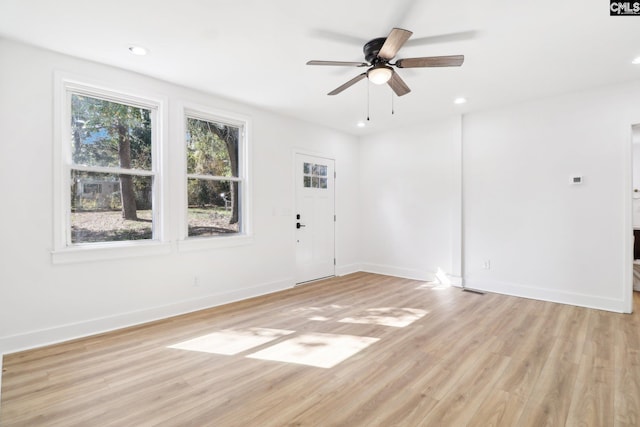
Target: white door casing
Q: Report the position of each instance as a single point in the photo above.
(314, 217)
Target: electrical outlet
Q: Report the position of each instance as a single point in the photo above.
(487, 265)
(196, 282)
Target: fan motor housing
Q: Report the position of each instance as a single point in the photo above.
(372, 48)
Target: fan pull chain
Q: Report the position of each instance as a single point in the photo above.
(368, 101)
(392, 109)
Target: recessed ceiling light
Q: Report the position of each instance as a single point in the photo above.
(636, 60)
(460, 100)
(360, 124)
(138, 50)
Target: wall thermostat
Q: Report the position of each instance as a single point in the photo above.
(576, 180)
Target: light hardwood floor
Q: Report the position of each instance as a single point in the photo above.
(434, 356)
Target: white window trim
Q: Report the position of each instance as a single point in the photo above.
(202, 112)
(63, 251)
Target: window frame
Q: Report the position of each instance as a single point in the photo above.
(64, 251)
(244, 236)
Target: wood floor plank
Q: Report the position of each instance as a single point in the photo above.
(439, 356)
(552, 393)
(459, 406)
(498, 409)
(627, 387)
(593, 400)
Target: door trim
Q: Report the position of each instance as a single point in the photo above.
(627, 256)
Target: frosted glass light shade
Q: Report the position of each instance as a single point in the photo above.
(379, 75)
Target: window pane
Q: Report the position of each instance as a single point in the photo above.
(105, 133)
(212, 148)
(213, 207)
(306, 168)
(110, 207)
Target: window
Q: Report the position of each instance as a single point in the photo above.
(108, 175)
(111, 172)
(314, 176)
(216, 176)
(111, 149)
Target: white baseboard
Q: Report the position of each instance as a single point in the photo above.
(455, 280)
(407, 273)
(68, 332)
(343, 270)
(545, 294)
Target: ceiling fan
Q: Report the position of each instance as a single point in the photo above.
(379, 52)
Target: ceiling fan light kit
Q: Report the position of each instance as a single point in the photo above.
(379, 74)
(379, 52)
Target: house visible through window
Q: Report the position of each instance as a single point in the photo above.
(111, 175)
(214, 177)
(88, 188)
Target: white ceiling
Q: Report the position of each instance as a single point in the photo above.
(255, 51)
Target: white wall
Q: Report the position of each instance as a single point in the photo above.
(399, 204)
(540, 235)
(410, 200)
(545, 237)
(41, 302)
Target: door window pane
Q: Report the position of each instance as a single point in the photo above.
(314, 176)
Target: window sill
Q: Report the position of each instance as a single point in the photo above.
(204, 243)
(109, 251)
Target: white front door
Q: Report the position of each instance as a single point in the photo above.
(314, 219)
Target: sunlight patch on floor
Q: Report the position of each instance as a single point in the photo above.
(232, 341)
(443, 278)
(387, 316)
(315, 349)
(433, 286)
(321, 314)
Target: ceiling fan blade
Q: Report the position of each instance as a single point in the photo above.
(398, 85)
(444, 38)
(339, 63)
(396, 38)
(350, 83)
(431, 61)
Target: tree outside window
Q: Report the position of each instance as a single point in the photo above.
(111, 150)
(214, 184)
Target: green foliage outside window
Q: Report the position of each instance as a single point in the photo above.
(212, 163)
(107, 134)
